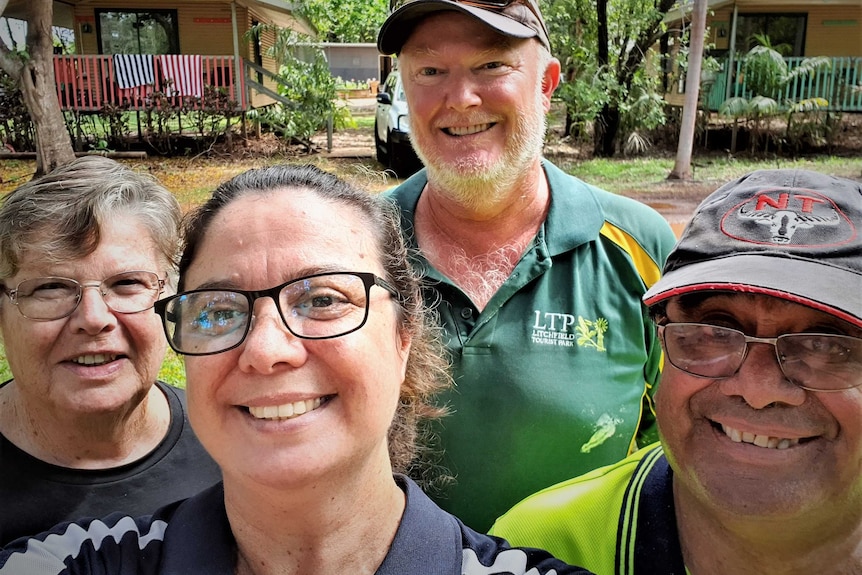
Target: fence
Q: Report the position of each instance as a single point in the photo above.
(88, 83)
(840, 85)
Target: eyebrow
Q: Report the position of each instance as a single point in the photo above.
(231, 284)
(693, 303)
(505, 45)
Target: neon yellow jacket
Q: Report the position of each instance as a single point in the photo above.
(616, 520)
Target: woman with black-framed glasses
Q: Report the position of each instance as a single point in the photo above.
(85, 427)
(311, 364)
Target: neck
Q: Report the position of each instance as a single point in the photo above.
(478, 244)
(715, 544)
(480, 200)
(88, 440)
(337, 526)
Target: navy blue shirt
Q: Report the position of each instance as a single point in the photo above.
(194, 537)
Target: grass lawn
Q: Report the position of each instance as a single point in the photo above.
(641, 174)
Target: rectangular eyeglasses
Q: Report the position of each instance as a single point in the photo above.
(319, 306)
(813, 361)
(50, 298)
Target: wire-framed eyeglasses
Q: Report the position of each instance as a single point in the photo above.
(319, 306)
(51, 298)
(813, 361)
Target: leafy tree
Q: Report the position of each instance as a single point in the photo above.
(33, 73)
(631, 28)
(603, 46)
(572, 29)
(304, 79)
(345, 20)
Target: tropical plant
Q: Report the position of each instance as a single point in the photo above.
(810, 123)
(602, 47)
(305, 81)
(767, 75)
(643, 112)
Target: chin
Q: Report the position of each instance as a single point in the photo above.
(758, 497)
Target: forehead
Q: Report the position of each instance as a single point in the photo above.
(125, 243)
(286, 230)
(460, 29)
(758, 309)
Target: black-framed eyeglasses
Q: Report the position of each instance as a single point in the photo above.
(318, 306)
(51, 298)
(813, 361)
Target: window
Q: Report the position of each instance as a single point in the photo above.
(786, 32)
(137, 32)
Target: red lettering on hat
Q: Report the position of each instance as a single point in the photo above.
(781, 204)
(783, 199)
(808, 202)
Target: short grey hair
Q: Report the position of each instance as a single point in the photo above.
(59, 216)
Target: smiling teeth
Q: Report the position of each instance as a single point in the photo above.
(97, 359)
(758, 440)
(468, 130)
(286, 411)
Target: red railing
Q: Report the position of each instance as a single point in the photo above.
(90, 83)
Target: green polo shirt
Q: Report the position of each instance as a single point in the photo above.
(555, 376)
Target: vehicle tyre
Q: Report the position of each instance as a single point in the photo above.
(403, 160)
(381, 147)
(396, 159)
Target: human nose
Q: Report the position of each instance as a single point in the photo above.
(760, 380)
(92, 313)
(268, 343)
(461, 92)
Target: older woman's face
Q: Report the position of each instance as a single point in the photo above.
(344, 391)
(95, 360)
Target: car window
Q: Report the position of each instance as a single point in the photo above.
(390, 84)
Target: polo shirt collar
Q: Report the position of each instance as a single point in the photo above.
(575, 215)
(428, 539)
(199, 539)
(657, 547)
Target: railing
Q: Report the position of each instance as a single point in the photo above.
(89, 83)
(259, 72)
(840, 85)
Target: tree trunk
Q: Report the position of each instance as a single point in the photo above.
(682, 165)
(604, 123)
(570, 122)
(607, 126)
(35, 78)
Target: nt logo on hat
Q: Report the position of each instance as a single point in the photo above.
(779, 216)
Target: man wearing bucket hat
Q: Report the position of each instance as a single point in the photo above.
(538, 276)
(759, 469)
